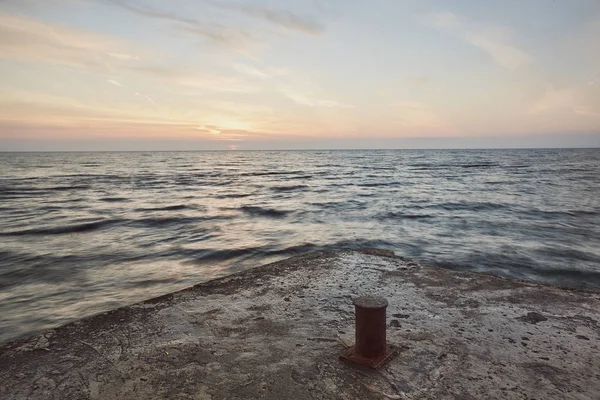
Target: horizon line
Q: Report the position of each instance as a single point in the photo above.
(306, 149)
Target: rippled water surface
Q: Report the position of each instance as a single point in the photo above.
(86, 232)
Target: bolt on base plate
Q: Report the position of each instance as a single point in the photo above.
(352, 357)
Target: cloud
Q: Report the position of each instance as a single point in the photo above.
(26, 39)
(38, 5)
(220, 35)
(33, 108)
(213, 33)
(282, 18)
(265, 73)
(226, 134)
(300, 91)
(122, 56)
(223, 37)
(251, 71)
(213, 130)
(191, 79)
(493, 40)
(581, 100)
(66, 117)
(305, 98)
(152, 13)
(151, 100)
(585, 111)
(286, 19)
(116, 83)
(553, 100)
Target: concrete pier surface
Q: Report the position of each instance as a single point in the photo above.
(277, 331)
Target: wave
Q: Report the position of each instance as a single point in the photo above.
(382, 168)
(567, 253)
(233, 195)
(396, 215)
(294, 250)
(246, 253)
(376, 184)
(480, 165)
(519, 267)
(437, 166)
(12, 191)
(330, 166)
(268, 173)
(327, 204)
(493, 183)
(329, 247)
(359, 243)
(68, 188)
(75, 228)
(168, 221)
(213, 255)
(290, 188)
(466, 206)
(571, 277)
(175, 207)
(425, 168)
(114, 199)
(264, 212)
(223, 183)
(562, 213)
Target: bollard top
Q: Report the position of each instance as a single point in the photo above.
(375, 302)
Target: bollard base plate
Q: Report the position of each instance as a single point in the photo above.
(353, 358)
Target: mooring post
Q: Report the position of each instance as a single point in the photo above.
(371, 348)
(370, 326)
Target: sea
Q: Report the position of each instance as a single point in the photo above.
(82, 233)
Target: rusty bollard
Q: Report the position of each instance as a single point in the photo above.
(371, 348)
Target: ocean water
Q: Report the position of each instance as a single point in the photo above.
(82, 233)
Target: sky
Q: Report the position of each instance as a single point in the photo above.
(266, 74)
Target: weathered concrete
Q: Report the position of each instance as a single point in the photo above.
(275, 332)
